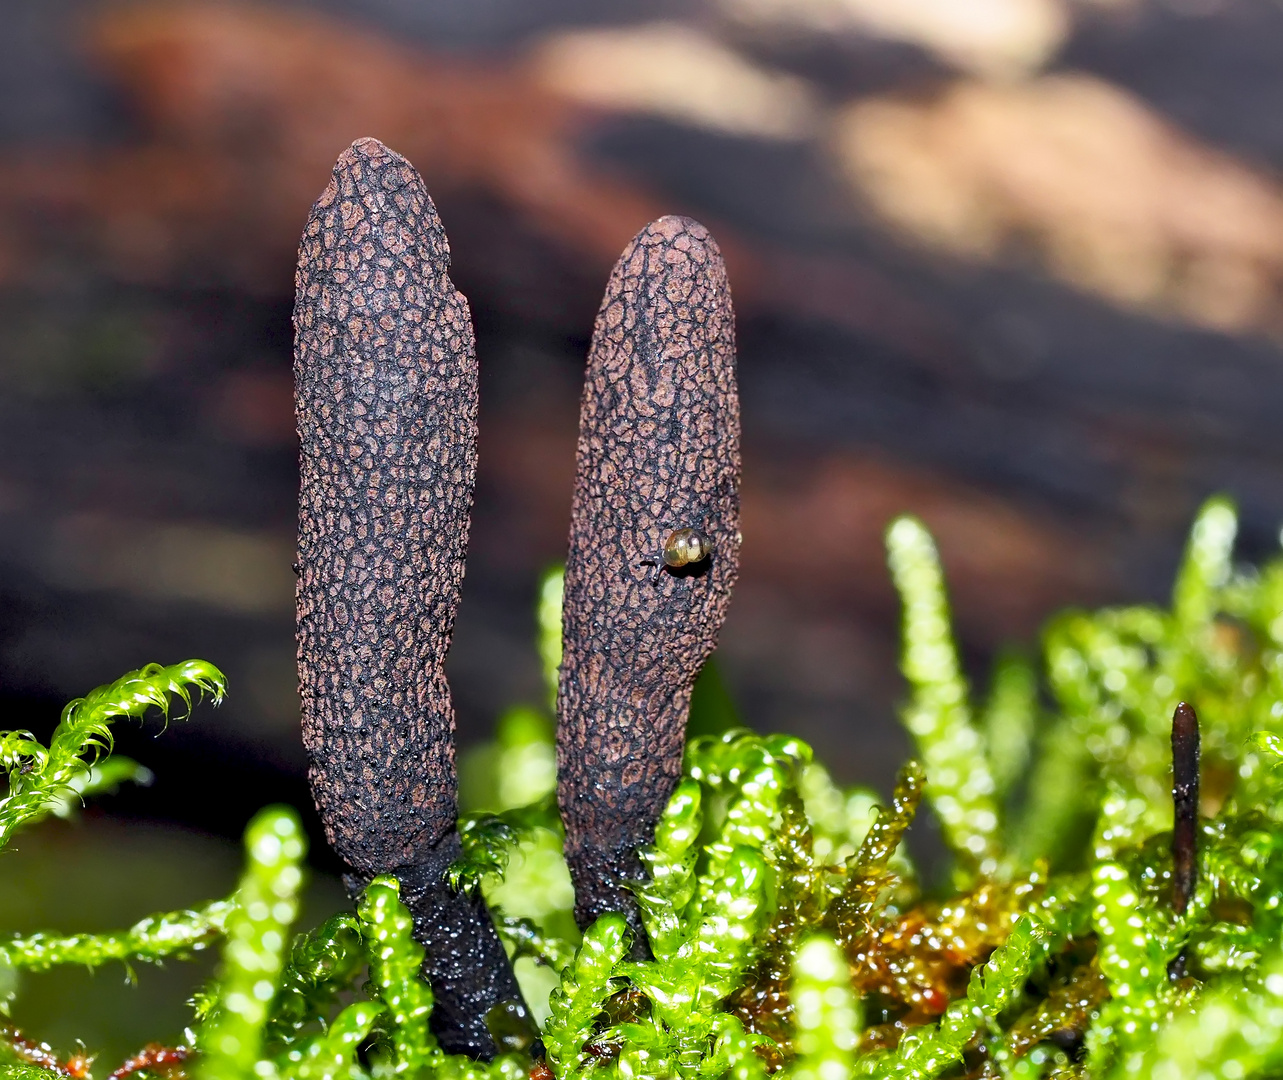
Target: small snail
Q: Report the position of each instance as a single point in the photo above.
(683, 547)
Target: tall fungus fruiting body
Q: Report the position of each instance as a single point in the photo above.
(386, 396)
(658, 451)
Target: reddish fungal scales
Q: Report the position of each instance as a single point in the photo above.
(658, 451)
(386, 394)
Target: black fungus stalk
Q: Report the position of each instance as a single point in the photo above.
(658, 453)
(386, 400)
(1185, 830)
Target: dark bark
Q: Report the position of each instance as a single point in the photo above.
(386, 399)
(658, 450)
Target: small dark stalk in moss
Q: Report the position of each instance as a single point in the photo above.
(1185, 830)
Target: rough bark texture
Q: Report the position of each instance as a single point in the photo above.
(386, 399)
(658, 450)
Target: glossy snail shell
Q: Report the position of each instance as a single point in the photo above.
(686, 546)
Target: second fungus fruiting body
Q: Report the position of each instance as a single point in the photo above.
(658, 453)
(386, 385)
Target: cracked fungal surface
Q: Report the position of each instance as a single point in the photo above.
(386, 399)
(658, 450)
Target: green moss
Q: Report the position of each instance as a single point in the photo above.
(235, 1011)
(175, 934)
(960, 782)
(826, 1023)
(790, 934)
(321, 964)
(395, 958)
(41, 780)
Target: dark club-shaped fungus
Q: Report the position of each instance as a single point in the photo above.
(658, 452)
(386, 395)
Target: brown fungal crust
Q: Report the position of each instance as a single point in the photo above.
(386, 400)
(658, 451)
